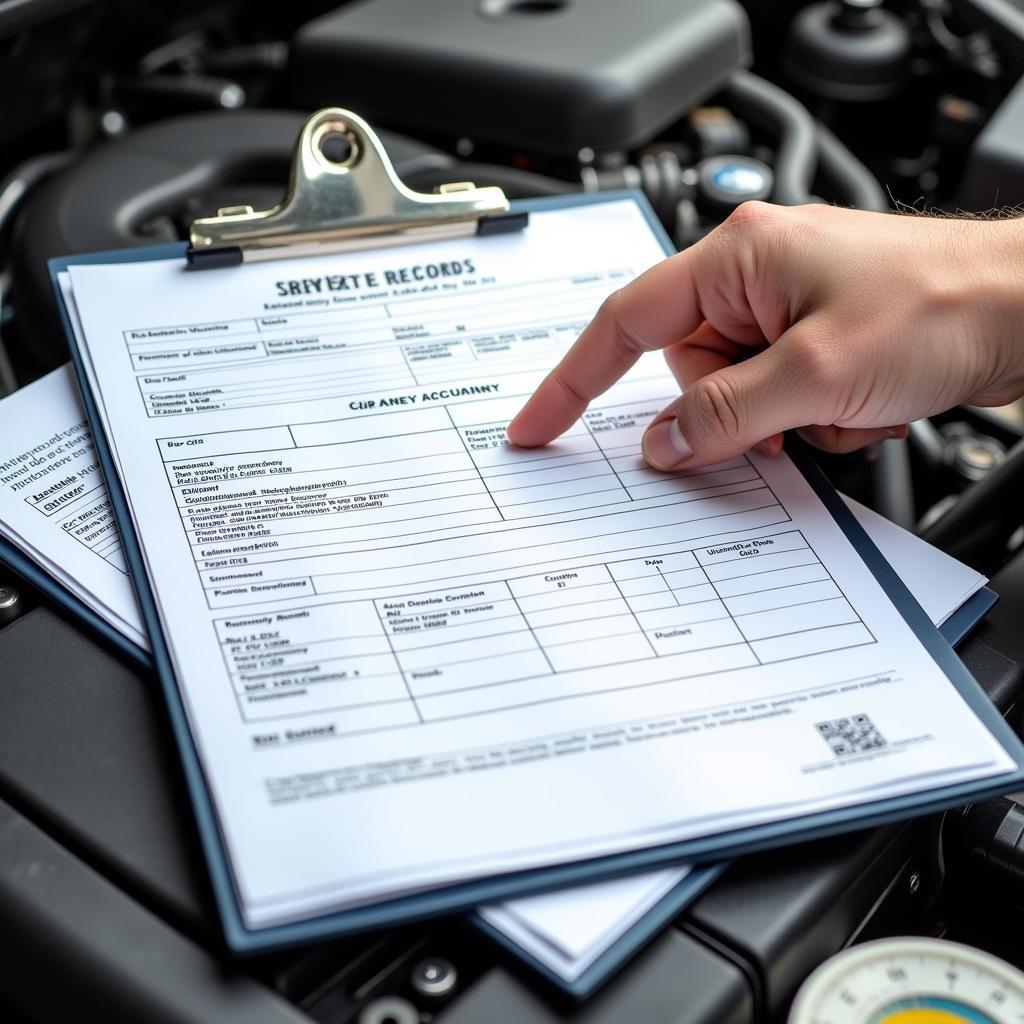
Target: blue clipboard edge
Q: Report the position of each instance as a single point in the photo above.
(54, 591)
(968, 615)
(241, 939)
(627, 946)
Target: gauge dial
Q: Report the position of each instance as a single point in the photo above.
(911, 981)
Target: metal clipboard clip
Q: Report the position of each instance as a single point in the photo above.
(343, 195)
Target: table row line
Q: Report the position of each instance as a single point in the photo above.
(517, 677)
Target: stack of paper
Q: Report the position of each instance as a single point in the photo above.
(55, 509)
(412, 670)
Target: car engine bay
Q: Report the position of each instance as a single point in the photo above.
(124, 122)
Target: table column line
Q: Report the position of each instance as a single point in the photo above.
(728, 610)
(408, 366)
(668, 586)
(475, 466)
(643, 632)
(529, 626)
(597, 443)
(398, 664)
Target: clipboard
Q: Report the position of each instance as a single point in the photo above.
(50, 588)
(357, 202)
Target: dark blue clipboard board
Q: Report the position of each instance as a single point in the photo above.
(463, 896)
(54, 591)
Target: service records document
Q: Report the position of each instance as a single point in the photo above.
(411, 655)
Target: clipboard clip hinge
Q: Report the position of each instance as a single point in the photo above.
(344, 195)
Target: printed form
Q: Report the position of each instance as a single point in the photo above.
(411, 655)
(568, 929)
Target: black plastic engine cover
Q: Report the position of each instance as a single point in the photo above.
(536, 75)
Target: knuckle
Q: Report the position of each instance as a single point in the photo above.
(759, 224)
(716, 408)
(764, 231)
(755, 215)
(574, 394)
(627, 342)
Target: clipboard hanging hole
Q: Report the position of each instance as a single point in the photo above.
(337, 144)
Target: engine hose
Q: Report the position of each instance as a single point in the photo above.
(985, 514)
(789, 121)
(843, 170)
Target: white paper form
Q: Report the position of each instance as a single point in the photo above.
(490, 659)
(568, 930)
(53, 501)
(37, 422)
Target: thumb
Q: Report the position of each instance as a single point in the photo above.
(729, 411)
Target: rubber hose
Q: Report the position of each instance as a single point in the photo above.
(985, 514)
(858, 185)
(788, 120)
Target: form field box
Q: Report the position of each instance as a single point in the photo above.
(652, 602)
(660, 564)
(666, 618)
(553, 481)
(640, 585)
(815, 641)
(612, 494)
(761, 625)
(389, 705)
(600, 651)
(558, 582)
(512, 642)
(590, 628)
(522, 664)
(756, 582)
(754, 565)
(783, 597)
(695, 636)
(583, 611)
(449, 630)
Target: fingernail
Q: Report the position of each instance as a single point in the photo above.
(664, 446)
(896, 432)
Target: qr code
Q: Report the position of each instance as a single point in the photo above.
(852, 735)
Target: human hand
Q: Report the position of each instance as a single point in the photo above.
(843, 324)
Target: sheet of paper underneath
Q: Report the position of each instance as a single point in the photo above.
(53, 501)
(567, 930)
(407, 378)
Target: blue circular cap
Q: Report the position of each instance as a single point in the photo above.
(740, 179)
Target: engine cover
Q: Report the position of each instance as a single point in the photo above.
(536, 75)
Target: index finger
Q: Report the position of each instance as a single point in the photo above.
(653, 311)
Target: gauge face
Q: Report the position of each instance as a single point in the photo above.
(911, 981)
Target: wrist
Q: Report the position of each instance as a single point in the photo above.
(992, 290)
